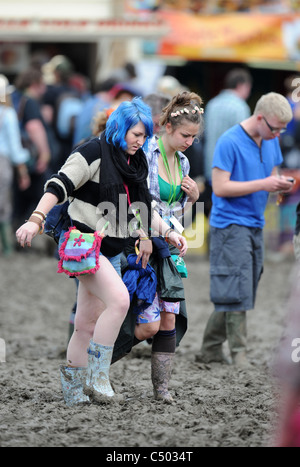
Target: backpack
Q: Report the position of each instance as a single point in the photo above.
(57, 219)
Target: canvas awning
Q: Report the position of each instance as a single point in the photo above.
(43, 30)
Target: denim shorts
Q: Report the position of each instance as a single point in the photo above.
(236, 265)
(114, 260)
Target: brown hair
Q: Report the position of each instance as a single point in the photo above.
(237, 76)
(27, 78)
(183, 106)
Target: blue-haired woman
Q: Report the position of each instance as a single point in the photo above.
(96, 178)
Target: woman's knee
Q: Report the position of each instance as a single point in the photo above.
(168, 321)
(120, 302)
(146, 331)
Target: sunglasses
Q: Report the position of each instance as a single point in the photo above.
(272, 129)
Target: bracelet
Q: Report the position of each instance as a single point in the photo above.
(168, 232)
(41, 213)
(137, 251)
(144, 238)
(38, 217)
(37, 220)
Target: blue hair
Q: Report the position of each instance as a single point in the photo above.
(126, 116)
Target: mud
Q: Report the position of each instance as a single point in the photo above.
(215, 405)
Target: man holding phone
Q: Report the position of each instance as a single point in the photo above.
(245, 171)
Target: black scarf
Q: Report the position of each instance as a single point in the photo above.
(115, 171)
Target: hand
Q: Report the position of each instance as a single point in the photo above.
(144, 252)
(274, 183)
(26, 233)
(42, 163)
(291, 181)
(190, 187)
(24, 181)
(179, 242)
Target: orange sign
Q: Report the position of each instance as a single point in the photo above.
(231, 37)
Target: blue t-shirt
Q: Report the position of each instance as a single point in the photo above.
(236, 152)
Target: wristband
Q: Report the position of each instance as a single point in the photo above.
(41, 213)
(168, 232)
(137, 251)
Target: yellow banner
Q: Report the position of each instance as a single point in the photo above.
(231, 37)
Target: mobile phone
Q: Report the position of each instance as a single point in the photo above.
(291, 180)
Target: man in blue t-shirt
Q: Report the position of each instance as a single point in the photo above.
(244, 172)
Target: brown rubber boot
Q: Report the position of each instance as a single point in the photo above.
(161, 370)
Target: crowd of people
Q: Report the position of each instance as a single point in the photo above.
(59, 143)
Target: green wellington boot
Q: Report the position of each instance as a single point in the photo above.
(6, 238)
(236, 326)
(213, 339)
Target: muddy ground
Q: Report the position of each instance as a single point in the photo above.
(215, 406)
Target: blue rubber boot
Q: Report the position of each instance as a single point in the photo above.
(73, 382)
(98, 386)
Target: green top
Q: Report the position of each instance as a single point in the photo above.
(173, 195)
(164, 188)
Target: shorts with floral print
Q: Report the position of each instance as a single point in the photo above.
(152, 313)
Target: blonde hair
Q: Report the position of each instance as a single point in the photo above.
(184, 106)
(273, 104)
(99, 121)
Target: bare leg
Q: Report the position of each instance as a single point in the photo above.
(145, 331)
(102, 305)
(168, 321)
(89, 309)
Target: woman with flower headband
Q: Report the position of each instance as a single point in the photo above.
(94, 178)
(171, 187)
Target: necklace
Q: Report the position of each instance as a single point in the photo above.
(173, 185)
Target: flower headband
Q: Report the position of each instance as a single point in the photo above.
(185, 110)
